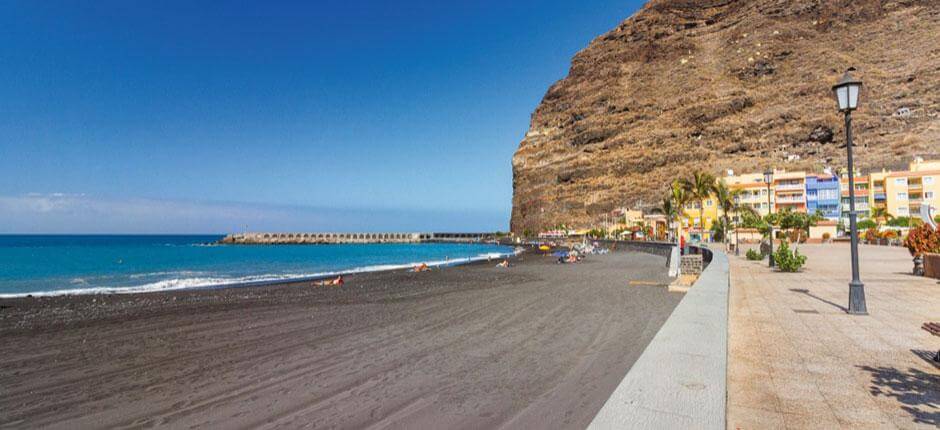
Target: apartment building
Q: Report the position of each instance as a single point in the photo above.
(823, 195)
(752, 191)
(906, 191)
(790, 191)
(862, 197)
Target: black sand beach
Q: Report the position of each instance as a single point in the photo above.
(537, 345)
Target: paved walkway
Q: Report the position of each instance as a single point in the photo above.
(797, 360)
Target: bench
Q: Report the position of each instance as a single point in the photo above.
(934, 329)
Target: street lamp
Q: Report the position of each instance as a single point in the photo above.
(769, 179)
(847, 91)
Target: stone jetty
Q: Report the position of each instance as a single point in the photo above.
(339, 238)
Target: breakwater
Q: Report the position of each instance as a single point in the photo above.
(340, 238)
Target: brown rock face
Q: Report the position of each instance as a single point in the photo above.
(731, 84)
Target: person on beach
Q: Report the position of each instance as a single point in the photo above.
(335, 282)
(505, 263)
(423, 267)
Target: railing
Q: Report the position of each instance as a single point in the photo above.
(789, 186)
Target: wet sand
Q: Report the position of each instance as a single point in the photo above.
(537, 345)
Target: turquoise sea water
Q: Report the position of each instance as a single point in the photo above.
(123, 264)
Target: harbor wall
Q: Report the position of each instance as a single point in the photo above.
(342, 238)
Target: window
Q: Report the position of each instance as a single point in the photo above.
(902, 196)
(900, 181)
(708, 203)
(928, 195)
(903, 210)
(928, 180)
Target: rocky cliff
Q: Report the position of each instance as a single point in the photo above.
(726, 84)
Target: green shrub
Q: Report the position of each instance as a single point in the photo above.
(788, 261)
(903, 221)
(866, 224)
(754, 255)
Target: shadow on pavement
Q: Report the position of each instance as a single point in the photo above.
(917, 390)
(805, 291)
(927, 356)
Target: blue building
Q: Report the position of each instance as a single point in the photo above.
(824, 194)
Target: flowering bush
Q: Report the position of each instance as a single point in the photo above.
(871, 234)
(921, 240)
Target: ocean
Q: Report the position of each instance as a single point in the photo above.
(53, 265)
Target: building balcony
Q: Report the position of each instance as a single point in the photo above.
(880, 196)
(781, 187)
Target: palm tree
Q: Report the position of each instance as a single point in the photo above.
(700, 186)
(727, 202)
(881, 215)
(673, 202)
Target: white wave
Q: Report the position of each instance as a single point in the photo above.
(175, 273)
(199, 282)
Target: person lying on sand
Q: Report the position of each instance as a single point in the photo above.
(335, 282)
(423, 267)
(505, 263)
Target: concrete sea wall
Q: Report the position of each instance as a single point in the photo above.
(339, 238)
(680, 379)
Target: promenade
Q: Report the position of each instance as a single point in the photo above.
(797, 360)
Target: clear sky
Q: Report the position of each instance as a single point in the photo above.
(181, 117)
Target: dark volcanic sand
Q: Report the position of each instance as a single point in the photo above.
(537, 345)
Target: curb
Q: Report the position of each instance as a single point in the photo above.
(680, 380)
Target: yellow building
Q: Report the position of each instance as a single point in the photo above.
(877, 192)
(903, 193)
(752, 191)
(696, 223)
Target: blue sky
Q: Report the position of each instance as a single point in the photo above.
(178, 117)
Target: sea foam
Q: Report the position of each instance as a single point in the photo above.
(207, 282)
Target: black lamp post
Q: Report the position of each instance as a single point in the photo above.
(769, 179)
(846, 92)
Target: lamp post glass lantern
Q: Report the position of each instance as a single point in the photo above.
(847, 92)
(769, 179)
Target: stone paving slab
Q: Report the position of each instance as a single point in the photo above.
(797, 360)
